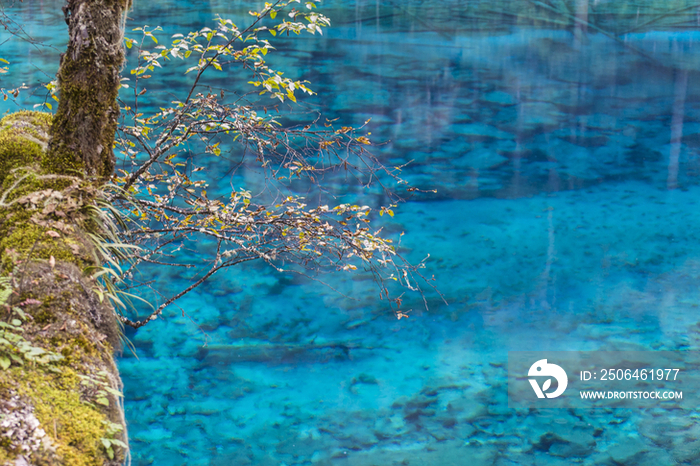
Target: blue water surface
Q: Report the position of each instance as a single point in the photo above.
(562, 142)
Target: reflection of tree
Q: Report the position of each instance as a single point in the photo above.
(677, 127)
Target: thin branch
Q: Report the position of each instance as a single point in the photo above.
(154, 315)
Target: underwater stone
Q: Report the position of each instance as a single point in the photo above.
(390, 427)
(566, 446)
(480, 159)
(599, 121)
(154, 434)
(536, 114)
(499, 97)
(467, 409)
(481, 130)
(688, 453)
(627, 451)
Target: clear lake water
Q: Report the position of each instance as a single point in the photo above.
(563, 141)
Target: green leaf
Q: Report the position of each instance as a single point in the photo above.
(102, 400)
(20, 313)
(119, 443)
(100, 294)
(4, 362)
(13, 338)
(34, 351)
(273, 13)
(108, 446)
(114, 392)
(16, 322)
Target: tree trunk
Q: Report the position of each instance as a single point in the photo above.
(58, 384)
(82, 134)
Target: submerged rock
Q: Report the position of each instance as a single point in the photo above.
(480, 130)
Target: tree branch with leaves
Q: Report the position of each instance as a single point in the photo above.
(164, 183)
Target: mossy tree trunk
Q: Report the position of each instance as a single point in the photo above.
(83, 130)
(58, 387)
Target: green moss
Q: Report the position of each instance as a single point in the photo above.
(30, 182)
(19, 229)
(86, 347)
(41, 119)
(20, 234)
(4, 456)
(75, 350)
(62, 160)
(70, 319)
(74, 426)
(65, 408)
(60, 300)
(44, 315)
(88, 108)
(23, 139)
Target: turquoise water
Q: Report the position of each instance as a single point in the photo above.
(566, 217)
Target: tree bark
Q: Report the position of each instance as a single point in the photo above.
(82, 134)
